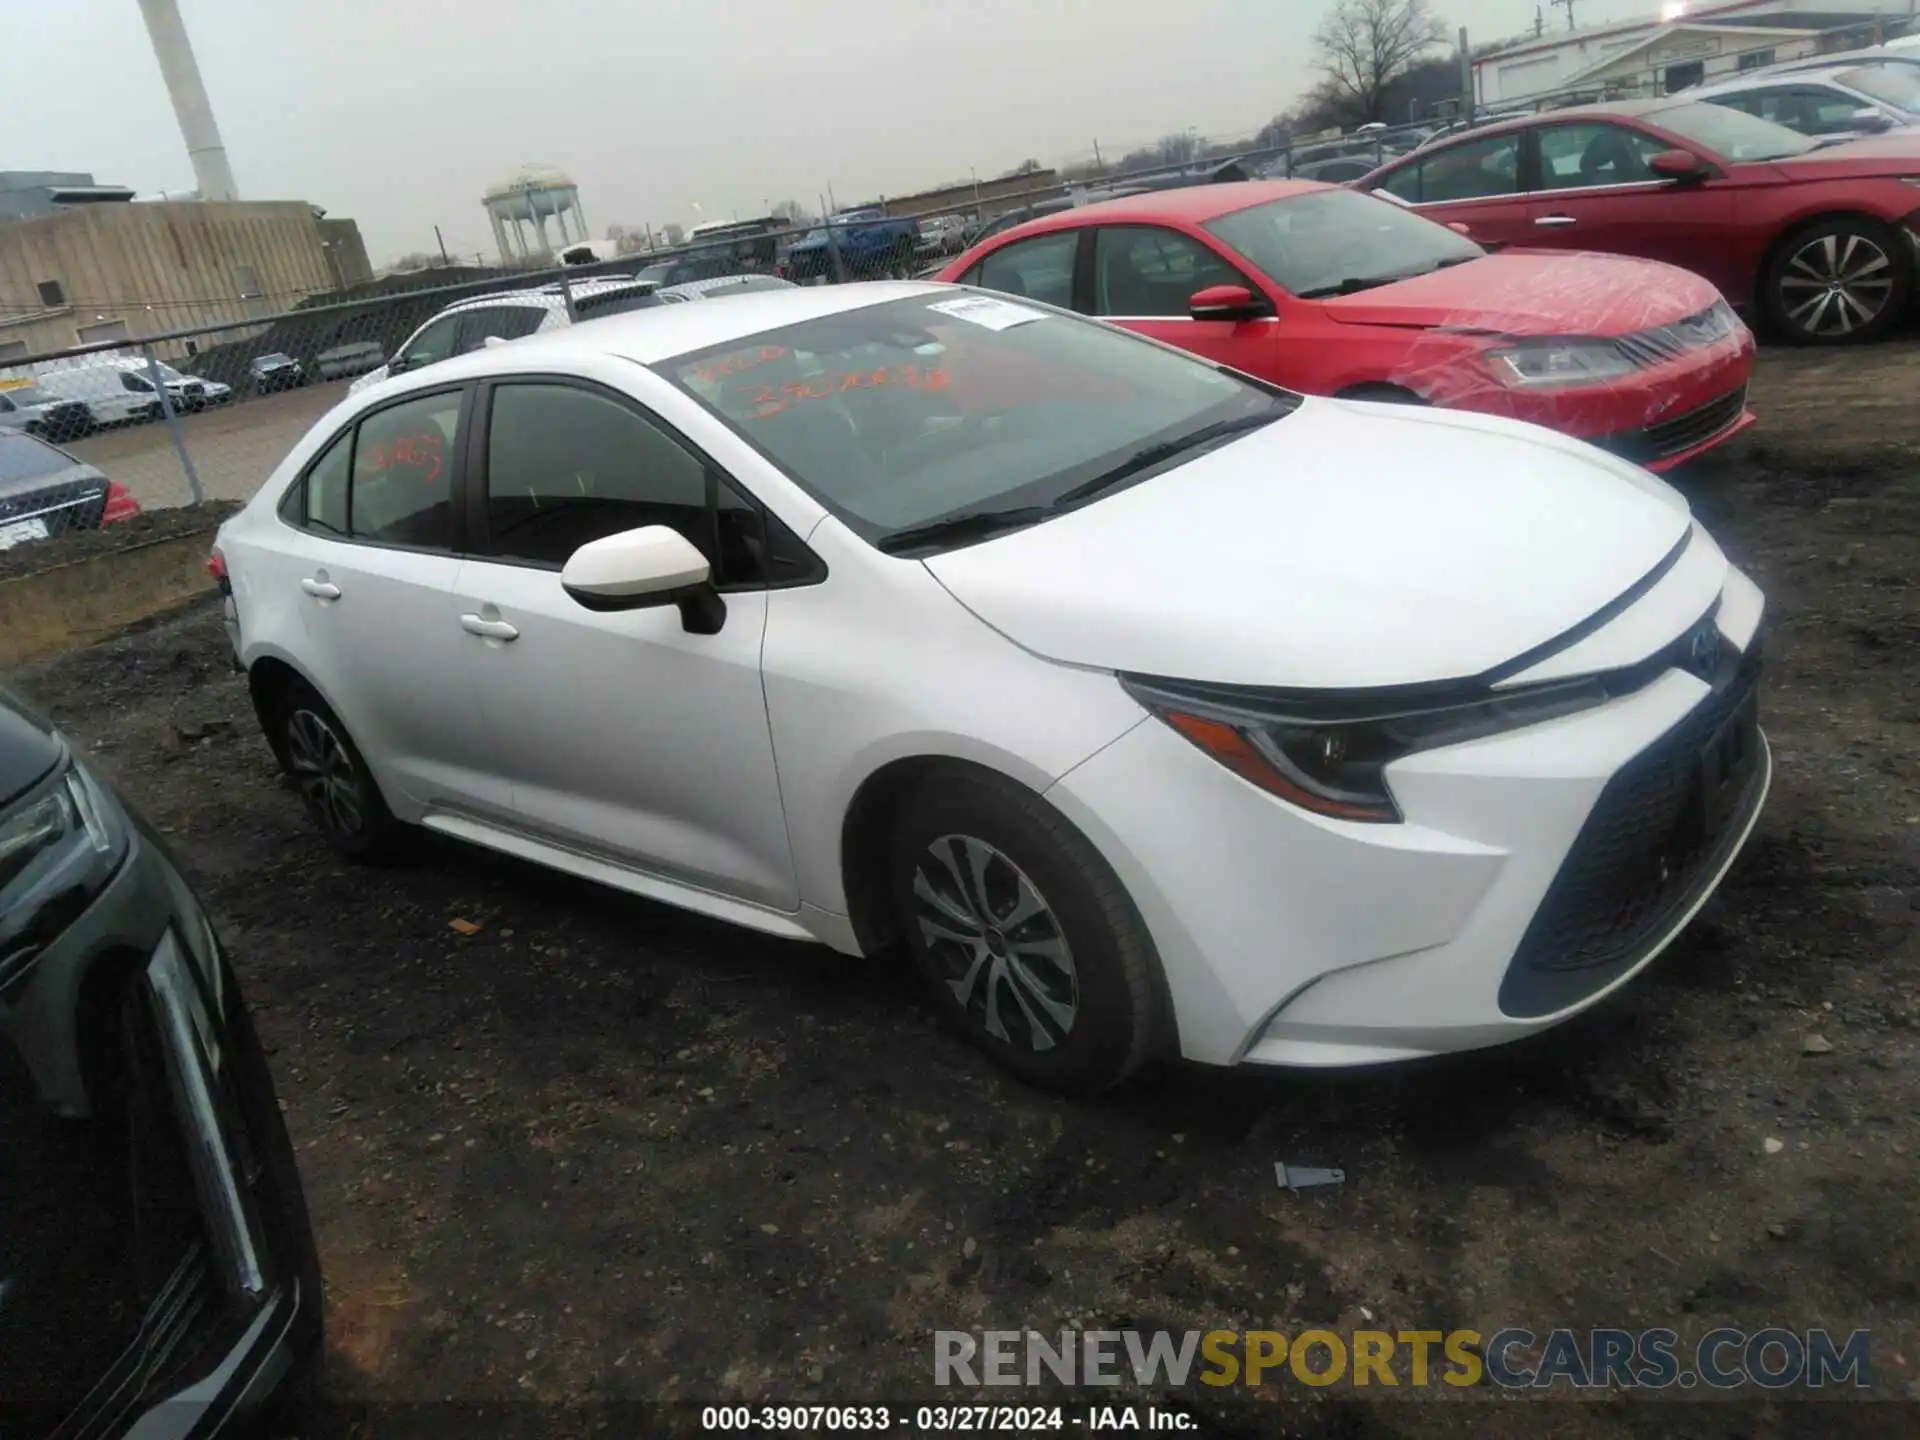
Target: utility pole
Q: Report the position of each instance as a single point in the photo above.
(1466, 77)
(1566, 5)
(1099, 168)
(1539, 22)
(442, 244)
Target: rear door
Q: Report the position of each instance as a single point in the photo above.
(1040, 267)
(373, 567)
(1595, 191)
(1475, 183)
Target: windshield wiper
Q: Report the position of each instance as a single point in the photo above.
(966, 525)
(1352, 285)
(1166, 450)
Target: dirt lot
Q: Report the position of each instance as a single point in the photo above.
(600, 1150)
(234, 447)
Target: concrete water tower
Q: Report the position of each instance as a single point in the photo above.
(527, 199)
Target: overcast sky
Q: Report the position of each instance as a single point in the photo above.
(400, 113)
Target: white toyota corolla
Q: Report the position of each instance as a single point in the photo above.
(1147, 706)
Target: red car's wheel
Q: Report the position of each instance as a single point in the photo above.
(1841, 282)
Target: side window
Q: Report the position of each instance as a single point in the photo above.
(504, 322)
(1472, 170)
(567, 466)
(1403, 184)
(1808, 110)
(432, 344)
(1142, 270)
(6, 405)
(1038, 269)
(402, 464)
(324, 491)
(139, 384)
(1575, 156)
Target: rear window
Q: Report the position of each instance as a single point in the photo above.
(24, 458)
(616, 302)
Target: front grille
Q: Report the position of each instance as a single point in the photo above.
(1670, 342)
(1682, 433)
(1640, 860)
(77, 505)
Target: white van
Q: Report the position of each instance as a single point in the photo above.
(117, 389)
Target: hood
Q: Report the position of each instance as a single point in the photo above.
(1535, 292)
(1895, 153)
(1345, 546)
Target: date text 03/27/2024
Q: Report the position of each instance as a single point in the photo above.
(945, 1419)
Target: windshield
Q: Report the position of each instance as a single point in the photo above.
(1326, 240)
(273, 357)
(914, 410)
(1895, 85)
(1731, 134)
(24, 458)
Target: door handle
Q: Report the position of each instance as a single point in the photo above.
(321, 589)
(1556, 220)
(491, 629)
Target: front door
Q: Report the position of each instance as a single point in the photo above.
(374, 572)
(1596, 192)
(1144, 277)
(622, 734)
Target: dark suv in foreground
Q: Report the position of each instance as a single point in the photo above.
(157, 1271)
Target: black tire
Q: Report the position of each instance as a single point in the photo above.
(330, 774)
(1844, 281)
(1080, 1027)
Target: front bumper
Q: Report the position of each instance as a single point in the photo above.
(1290, 939)
(235, 1327)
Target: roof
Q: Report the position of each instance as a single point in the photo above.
(545, 296)
(1628, 108)
(1619, 27)
(662, 332)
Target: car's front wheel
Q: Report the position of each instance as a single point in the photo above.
(331, 775)
(1844, 281)
(1024, 934)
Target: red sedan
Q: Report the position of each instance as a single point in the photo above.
(1815, 237)
(1332, 292)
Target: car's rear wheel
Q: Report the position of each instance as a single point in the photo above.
(331, 775)
(1843, 281)
(1024, 934)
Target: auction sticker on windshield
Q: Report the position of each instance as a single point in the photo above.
(985, 311)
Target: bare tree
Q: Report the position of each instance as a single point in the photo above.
(1365, 45)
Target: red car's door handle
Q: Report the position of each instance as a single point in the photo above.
(1556, 220)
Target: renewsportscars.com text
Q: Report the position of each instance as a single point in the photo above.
(1774, 1358)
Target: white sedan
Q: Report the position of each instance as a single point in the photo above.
(1146, 707)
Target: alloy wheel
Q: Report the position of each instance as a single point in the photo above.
(1836, 284)
(329, 781)
(996, 943)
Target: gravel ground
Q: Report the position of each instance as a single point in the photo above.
(598, 1150)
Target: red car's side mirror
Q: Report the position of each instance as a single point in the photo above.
(1677, 165)
(1460, 227)
(1227, 302)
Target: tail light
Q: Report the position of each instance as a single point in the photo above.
(217, 568)
(120, 504)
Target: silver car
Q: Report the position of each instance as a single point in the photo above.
(40, 412)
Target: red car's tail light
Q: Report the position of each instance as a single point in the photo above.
(120, 504)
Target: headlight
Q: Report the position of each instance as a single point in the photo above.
(1328, 754)
(1549, 364)
(57, 850)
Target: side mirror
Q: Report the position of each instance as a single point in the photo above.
(398, 365)
(1677, 165)
(1870, 122)
(1460, 227)
(1227, 302)
(636, 569)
